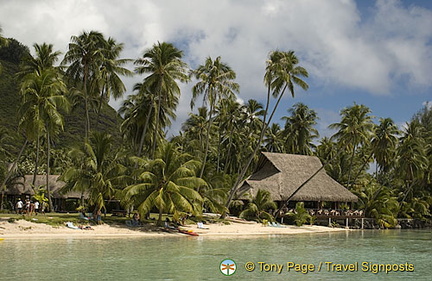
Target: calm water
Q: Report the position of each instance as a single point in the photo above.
(199, 258)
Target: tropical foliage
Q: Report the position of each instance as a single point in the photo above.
(166, 183)
(260, 208)
(203, 166)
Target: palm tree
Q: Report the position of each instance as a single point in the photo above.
(96, 170)
(273, 139)
(167, 183)
(164, 65)
(282, 73)
(228, 120)
(412, 162)
(299, 129)
(379, 203)
(137, 110)
(354, 130)
(85, 56)
(110, 69)
(43, 99)
(384, 144)
(215, 82)
(259, 207)
(45, 58)
(5, 138)
(195, 128)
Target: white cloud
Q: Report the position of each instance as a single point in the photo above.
(387, 51)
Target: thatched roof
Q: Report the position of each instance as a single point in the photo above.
(23, 186)
(281, 174)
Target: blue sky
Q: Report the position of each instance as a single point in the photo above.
(376, 53)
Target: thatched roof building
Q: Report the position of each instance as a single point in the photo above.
(23, 186)
(281, 174)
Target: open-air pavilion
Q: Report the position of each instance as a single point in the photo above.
(282, 174)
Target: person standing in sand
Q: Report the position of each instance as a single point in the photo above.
(27, 206)
(19, 206)
(36, 207)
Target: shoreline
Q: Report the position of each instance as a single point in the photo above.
(22, 229)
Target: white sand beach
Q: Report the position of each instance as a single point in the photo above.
(22, 229)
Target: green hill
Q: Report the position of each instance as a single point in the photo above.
(10, 57)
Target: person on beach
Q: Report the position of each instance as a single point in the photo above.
(36, 207)
(98, 217)
(32, 208)
(19, 206)
(27, 206)
(136, 219)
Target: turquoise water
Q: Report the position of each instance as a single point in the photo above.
(199, 258)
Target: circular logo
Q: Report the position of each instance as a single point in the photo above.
(228, 267)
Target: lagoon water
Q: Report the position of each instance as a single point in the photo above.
(199, 258)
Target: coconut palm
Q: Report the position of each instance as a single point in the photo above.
(260, 207)
(195, 128)
(138, 112)
(354, 130)
(273, 139)
(43, 100)
(45, 58)
(228, 120)
(96, 170)
(215, 82)
(412, 162)
(164, 65)
(110, 83)
(166, 183)
(85, 56)
(282, 73)
(384, 144)
(379, 203)
(299, 129)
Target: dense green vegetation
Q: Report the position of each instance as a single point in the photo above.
(60, 117)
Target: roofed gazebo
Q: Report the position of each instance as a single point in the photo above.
(281, 175)
(23, 189)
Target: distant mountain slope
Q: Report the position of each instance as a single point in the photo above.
(10, 57)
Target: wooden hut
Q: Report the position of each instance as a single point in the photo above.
(61, 201)
(281, 174)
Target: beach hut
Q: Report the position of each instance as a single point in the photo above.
(61, 201)
(281, 174)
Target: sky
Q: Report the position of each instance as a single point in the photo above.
(376, 53)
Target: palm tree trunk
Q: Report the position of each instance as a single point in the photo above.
(48, 173)
(36, 161)
(9, 172)
(349, 171)
(157, 119)
(159, 222)
(87, 126)
(141, 144)
(227, 162)
(207, 140)
(362, 167)
(264, 128)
